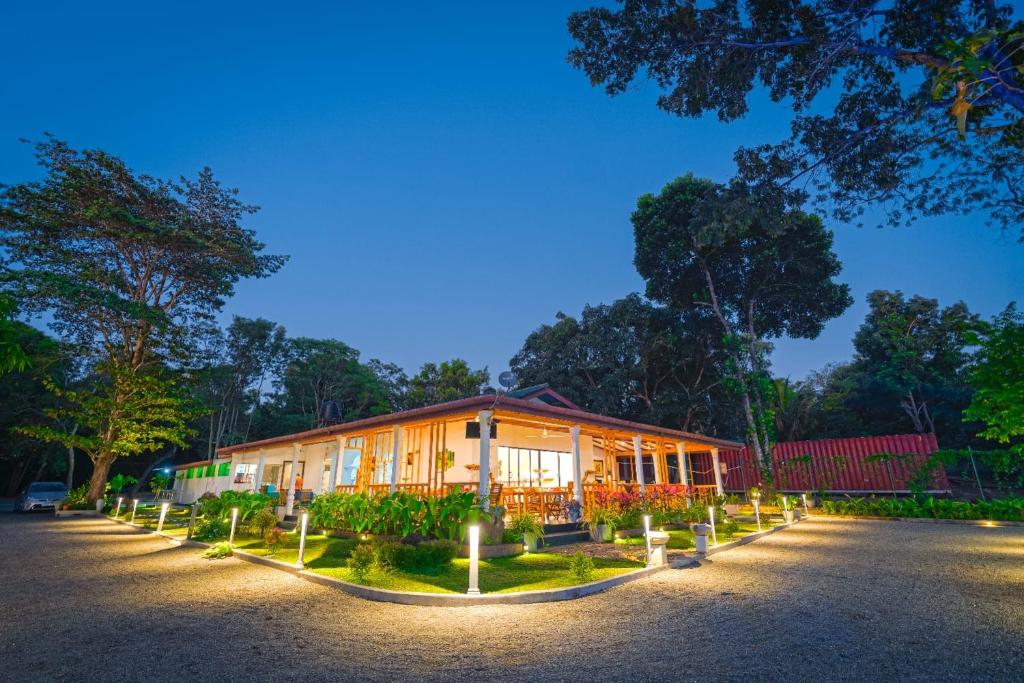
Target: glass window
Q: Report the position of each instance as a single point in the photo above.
(672, 462)
(626, 468)
(534, 468)
(245, 473)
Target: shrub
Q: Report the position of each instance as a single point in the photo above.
(361, 561)
(425, 557)
(219, 551)
(273, 538)
(524, 523)
(582, 567)
(211, 529)
(730, 528)
(262, 522)
(390, 555)
(396, 514)
(76, 498)
(435, 555)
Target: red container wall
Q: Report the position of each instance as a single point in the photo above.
(839, 464)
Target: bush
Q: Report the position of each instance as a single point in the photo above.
(219, 551)
(582, 567)
(361, 561)
(212, 529)
(262, 522)
(272, 539)
(426, 557)
(524, 523)
(1004, 509)
(76, 498)
(396, 514)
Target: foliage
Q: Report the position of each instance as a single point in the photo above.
(397, 514)
(12, 356)
(447, 381)
(77, 498)
(523, 523)
(997, 377)
(132, 270)
(262, 522)
(219, 551)
(160, 482)
(426, 557)
(581, 566)
(212, 528)
(361, 561)
(917, 107)
(119, 482)
(756, 266)
(634, 360)
(1004, 509)
(602, 515)
(248, 503)
(273, 538)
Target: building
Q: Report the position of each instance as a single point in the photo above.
(533, 442)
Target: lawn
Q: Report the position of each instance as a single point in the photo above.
(682, 539)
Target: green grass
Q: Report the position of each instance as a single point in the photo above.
(321, 551)
(682, 539)
(531, 571)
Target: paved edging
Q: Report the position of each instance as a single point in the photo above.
(463, 599)
(927, 520)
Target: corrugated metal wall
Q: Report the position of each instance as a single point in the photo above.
(839, 465)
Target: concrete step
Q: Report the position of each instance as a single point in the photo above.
(559, 528)
(565, 538)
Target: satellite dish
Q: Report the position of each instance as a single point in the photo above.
(507, 379)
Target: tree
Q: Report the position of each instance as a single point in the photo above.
(12, 356)
(132, 270)
(758, 267)
(997, 377)
(448, 381)
(929, 118)
(633, 360)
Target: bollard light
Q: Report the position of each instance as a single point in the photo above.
(117, 510)
(711, 516)
(302, 538)
(474, 559)
(163, 516)
(806, 508)
(647, 536)
(192, 520)
(135, 506)
(234, 522)
(757, 511)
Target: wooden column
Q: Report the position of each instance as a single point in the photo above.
(577, 465)
(485, 458)
(684, 472)
(289, 501)
(718, 471)
(396, 452)
(639, 457)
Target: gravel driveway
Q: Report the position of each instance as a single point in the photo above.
(89, 600)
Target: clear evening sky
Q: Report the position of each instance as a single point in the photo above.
(442, 180)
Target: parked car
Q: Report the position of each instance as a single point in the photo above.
(40, 495)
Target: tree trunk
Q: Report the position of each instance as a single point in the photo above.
(100, 470)
(71, 460)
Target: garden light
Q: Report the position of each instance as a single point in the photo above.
(302, 537)
(474, 559)
(647, 536)
(163, 516)
(135, 506)
(117, 510)
(192, 520)
(711, 516)
(757, 511)
(806, 508)
(234, 522)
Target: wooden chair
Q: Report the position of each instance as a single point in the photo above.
(494, 497)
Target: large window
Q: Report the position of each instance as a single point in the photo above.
(534, 468)
(626, 468)
(245, 473)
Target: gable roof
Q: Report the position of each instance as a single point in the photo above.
(477, 403)
(544, 393)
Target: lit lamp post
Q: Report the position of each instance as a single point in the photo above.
(117, 510)
(711, 516)
(135, 506)
(647, 536)
(234, 522)
(757, 509)
(192, 520)
(302, 538)
(474, 559)
(163, 516)
(806, 507)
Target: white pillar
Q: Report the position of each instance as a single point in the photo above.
(577, 465)
(638, 455)
(260, 464)
(718, 472)
(289, 501)
(684, 471)
(485, 458)
(396, 452)
(657, 465)
(335, 464)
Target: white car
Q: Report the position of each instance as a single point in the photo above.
(40, 495)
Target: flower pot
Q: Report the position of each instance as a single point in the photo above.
(531, 542)
(788, 516)
(607, 533)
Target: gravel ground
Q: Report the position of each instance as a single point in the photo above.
(89, 600)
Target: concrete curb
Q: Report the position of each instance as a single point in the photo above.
(463, 599)
(757, 535)
(926, 520)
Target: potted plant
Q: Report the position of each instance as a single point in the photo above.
(527, 527)
(602, 524)
(732, 504)
(573, 510)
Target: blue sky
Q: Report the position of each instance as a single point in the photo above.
(442, 180)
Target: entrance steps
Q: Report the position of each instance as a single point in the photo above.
(565, 534)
